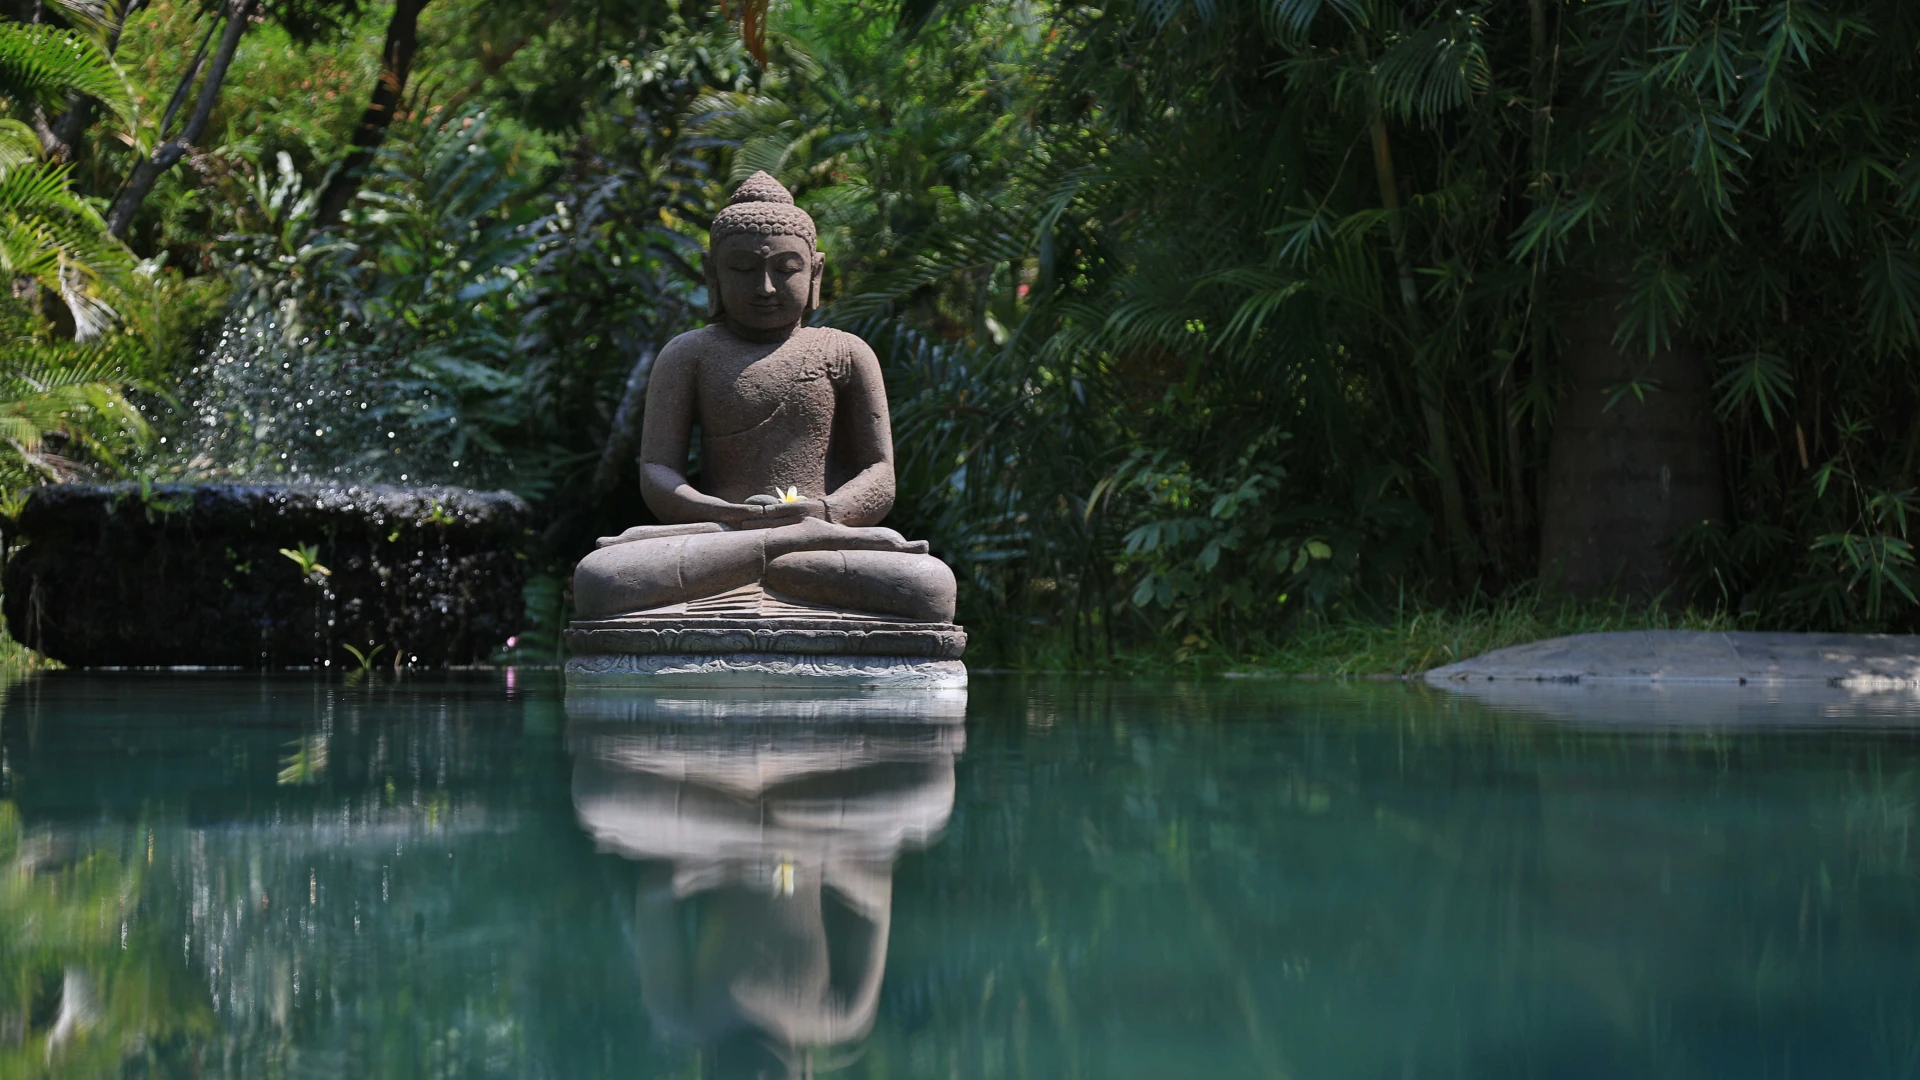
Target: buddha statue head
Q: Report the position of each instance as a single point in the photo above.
(763, 270)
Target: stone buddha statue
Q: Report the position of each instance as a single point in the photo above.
(795, 452)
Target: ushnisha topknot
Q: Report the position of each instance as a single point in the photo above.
(762, 206)
(761, 187)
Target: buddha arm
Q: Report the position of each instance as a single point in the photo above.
(664, 437)
(865, 497)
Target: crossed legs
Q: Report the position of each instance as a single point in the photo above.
(863, 569)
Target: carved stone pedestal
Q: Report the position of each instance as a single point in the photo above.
(748, 639)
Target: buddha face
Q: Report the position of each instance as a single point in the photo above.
(765, 282)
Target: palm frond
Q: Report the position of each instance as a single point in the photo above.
(71, 393)
(18, 144)
(40, 65)
(49, 234)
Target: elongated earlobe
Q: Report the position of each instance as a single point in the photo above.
(813, 286)
(714, 308)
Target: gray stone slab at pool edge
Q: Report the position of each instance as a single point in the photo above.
(1852, 661)
(1654, 705)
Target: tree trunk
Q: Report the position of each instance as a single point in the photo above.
(147, 172)
(396, 61)
(1625, 473)
(187, 78)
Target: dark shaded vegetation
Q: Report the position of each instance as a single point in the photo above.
(1208, 326)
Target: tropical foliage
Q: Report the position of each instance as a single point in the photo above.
(1292, 290)
(1204, 322)
(61, 401)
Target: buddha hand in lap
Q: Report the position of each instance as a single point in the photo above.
(796, 452)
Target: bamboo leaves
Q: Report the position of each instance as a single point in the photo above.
(1875, 566)
(1890, 288)
(1435, 69)
(1267, 292)
(1288, 19)
(1758, 380)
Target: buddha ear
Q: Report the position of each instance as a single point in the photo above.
(813, 286)
(714, 307)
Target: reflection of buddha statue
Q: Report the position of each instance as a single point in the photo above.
(796, 453)
(765, 900)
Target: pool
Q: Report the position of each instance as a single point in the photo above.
(468, 875)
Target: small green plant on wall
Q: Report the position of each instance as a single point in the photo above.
(307, 558)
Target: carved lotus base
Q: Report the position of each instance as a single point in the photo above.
(782, 637)
(748, 638)
(758, 670)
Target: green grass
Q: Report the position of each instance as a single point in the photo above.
(16, 658)
(1406, 641)
(1415, 640)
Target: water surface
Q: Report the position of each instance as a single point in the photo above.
(228, 875)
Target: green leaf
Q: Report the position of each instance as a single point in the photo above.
(41, 65)
(1759, 380)
(1891, 288)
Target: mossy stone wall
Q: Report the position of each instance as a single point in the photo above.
(195, 574)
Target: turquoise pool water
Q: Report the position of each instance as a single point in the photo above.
(226, 875)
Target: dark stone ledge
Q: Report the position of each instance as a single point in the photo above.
(192, 574)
